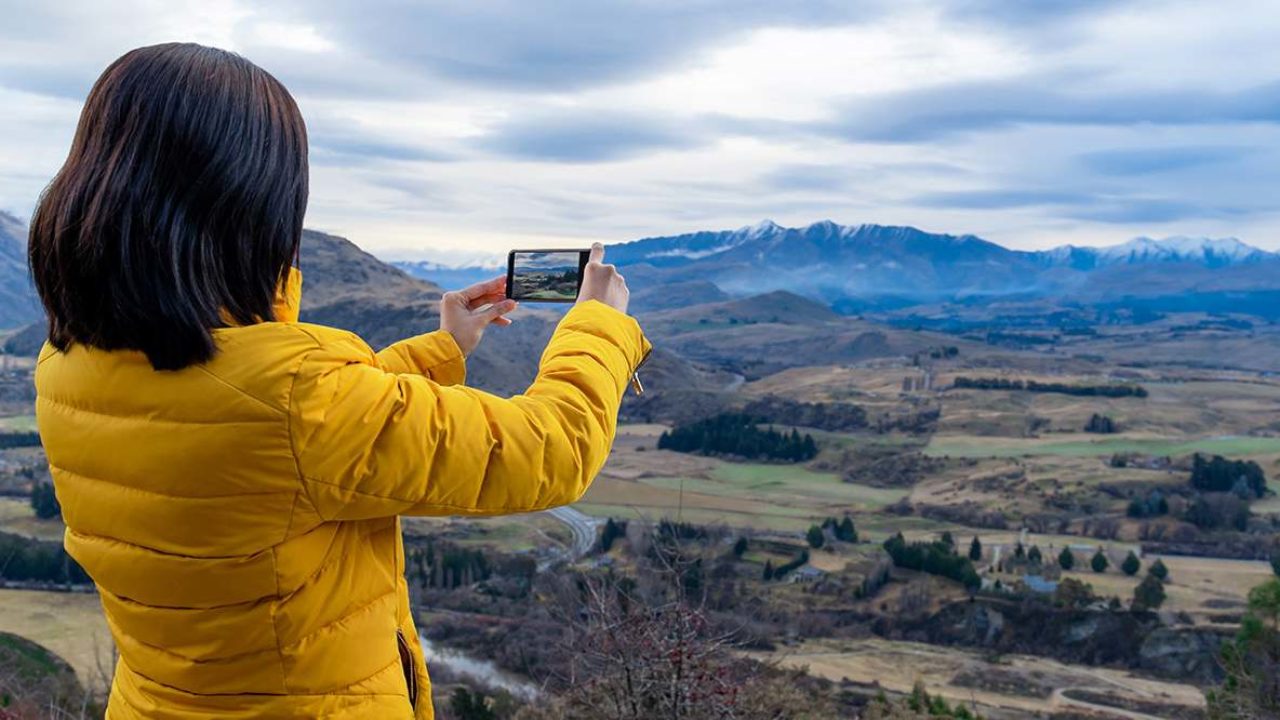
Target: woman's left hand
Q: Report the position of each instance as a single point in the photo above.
(466, 313)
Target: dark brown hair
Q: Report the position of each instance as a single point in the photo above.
(179, 208)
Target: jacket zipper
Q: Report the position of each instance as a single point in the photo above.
(408, 667)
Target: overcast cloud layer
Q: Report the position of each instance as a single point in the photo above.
(470, 126)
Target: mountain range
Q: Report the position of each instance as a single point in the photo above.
(860, 268)
(18, 302)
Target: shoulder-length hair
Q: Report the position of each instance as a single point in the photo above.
(179, 209)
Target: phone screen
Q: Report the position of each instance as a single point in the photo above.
(545, 275)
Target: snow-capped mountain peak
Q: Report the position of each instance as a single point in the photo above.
(1209, 251)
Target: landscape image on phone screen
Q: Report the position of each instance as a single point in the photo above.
(545, 275)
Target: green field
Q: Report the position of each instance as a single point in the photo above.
(787, 482)
(18, 423)
(978, 447)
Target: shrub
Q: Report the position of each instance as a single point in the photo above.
(1159, 570)
(44, 501)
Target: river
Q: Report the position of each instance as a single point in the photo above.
(483, 671)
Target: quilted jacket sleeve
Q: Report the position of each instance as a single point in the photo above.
(434, 355)
(373, 443)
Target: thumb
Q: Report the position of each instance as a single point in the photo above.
(597, 253)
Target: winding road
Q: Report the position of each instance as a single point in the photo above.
(583, 529)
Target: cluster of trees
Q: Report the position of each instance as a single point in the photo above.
(1153, 505)
(842, 530)
(935, 558)
(1213, 511)
(19, 439)
(445, 566)
(30, 560)
(1242, 477)
(772, 573)
(1111, 391)
(835, 417)
(738, 434)
(1101, 424)
(44, 501)
(942, 353)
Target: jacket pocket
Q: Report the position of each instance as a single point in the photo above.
(408, 667)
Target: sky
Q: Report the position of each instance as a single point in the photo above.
(458, 129)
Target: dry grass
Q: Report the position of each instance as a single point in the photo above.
(17, 517)
(896, 666)
(69, 624)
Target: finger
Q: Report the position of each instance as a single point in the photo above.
(499, 309)
(597, 253)
(502, 321)
(485, 300)
(496, 286)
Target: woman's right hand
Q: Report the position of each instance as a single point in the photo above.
(603, 282)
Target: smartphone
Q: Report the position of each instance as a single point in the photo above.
(545, 275)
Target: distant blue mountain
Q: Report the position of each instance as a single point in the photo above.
(868, 267)
(450, 277)
(18, 302)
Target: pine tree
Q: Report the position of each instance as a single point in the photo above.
(1099, 563)
(975, 549)
(846, 532)
(1066, 559)
(1159, 570)
(948, 539)
(1131, 564)
(1275, 562)
(740, 547)
(815, 537)
(1149, 594)
(1034, 556)
(1019, 552)
(768, 571)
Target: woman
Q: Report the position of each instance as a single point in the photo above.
(231, 478)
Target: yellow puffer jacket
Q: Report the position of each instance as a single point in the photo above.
(240, 517)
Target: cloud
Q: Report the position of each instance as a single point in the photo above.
(935, 113)
(1146, 161)
(579, 136)
(1096, 207)
(567, 45)
(360, 149)
(472, 123)
(1001, 199)
(809, 177)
